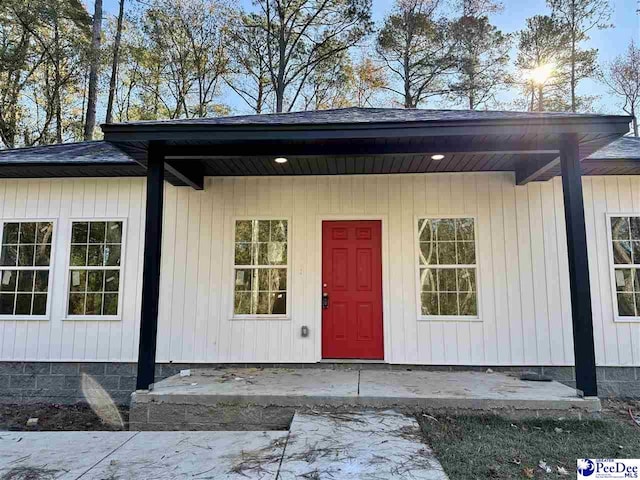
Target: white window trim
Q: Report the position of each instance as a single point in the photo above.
(416, 262)
(47, 315)
(612, 267)
(68, 268)
(232, 314)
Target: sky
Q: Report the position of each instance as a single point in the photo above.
(610, 42)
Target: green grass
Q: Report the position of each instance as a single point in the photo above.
(479, 447)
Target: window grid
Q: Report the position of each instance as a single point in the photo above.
(447, 276)
(95, 253)
(260, 268)
(24, 277)
(625, 245)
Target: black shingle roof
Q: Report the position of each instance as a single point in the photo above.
(98, 152)
(624, 148)
(360, 115)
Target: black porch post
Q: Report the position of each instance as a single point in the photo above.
(578, 267)
(151, 271)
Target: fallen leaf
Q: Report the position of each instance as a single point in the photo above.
(528, 472)
(558, 430)
(543, 466)
(562, 471)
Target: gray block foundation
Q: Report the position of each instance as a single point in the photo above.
(61, 382)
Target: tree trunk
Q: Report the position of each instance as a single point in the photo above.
(540, 99)
(57, 102)
(114, 64)
(92, 96)
(634, 122)
(573, 73)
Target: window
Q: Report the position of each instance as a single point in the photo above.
(625, 248)
(94, 268)
(261, 267)
(447, 267)
(25, 262)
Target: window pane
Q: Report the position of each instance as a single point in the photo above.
(464, 229)
(623, 279)
(466, 280)
(626, 306)
(635, 246)
(243, 230)
(23, 304)
(279, 306)
(78, 281)
(277, 253)
(95, 257)
(9, 256)
(94, 304)
(447, 280)
(243, 280)
(428, 280)
(6, 303)
(10, 233)
(620, 228)
(424, 230)
(263, 230)
(635, 228)
(95, 281)
(42, 280)
(427, 253)
(80, 232)
(446, 253)
(25, 281)
(468, 304)
(110, 306)
(621, 252)
(445, 229)
(114, 232)
(429, 304)
(97, 232)
(448, 303)
(43, 255)
(264, 303)
(242, 303)
(76, 304)
(243, 254)
(111, 281)
(9, 279)
(44, 232)
(39, 304)
(278, 231)
(466, 253)
(278, 279)
(78, 255)
(28, 232)
(112, 255)
(26, 255)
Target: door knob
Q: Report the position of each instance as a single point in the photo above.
(325, 300)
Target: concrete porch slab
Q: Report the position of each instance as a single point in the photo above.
(263, 399)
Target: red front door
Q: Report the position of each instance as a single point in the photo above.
(352, 289)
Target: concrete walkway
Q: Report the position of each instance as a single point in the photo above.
(366, 445)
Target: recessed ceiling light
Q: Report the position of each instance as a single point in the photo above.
(281, 160)
(437, 157)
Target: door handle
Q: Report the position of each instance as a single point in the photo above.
(325, 300)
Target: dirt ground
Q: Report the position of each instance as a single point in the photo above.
(55, 418)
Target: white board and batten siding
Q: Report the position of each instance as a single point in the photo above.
(524, 300)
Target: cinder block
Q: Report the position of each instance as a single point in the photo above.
(37, 368)
(72, 382)
(138, 414)
(619, 374)
(4, 381)
(11, 368)
(127, 383)
(93, 368)
(108, 382)
(65, 368)
(22, 381)
(50, 382)
(560, 373)
(117, 368)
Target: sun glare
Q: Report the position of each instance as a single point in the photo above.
(541, 74)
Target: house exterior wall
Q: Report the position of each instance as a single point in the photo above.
(524, 301)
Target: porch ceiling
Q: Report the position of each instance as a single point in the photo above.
(366, 141)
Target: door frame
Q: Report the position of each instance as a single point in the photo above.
(385, 278)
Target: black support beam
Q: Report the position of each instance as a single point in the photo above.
(190, 173)
(583, 347)
(530, 169)
(151, 269)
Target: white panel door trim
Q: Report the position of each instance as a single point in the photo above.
(317, 314)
